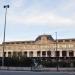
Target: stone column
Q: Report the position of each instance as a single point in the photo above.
(27, 53)
(60, 53)
(34, 53)
(74, 53)
(46, 53)
(11, 54)
(1, 54)
(52, 53)
(41, 54)
(67, 53)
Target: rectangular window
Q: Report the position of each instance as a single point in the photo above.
(9, 54)
(38, 53)
(43, 53)
(25, 54)
(57, 53)
(4, 54)
(48, 53)
(30, 54)
(64, 53)
(15, 54)
(19, 54)
(71, 53)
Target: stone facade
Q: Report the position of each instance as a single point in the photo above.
(42, 46)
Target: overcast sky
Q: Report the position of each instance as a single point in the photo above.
(26, 19)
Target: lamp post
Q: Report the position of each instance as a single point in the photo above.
(56, 52)
(5, 6)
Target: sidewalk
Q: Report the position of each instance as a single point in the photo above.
(37, 69)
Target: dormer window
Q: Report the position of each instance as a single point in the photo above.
(43, 38)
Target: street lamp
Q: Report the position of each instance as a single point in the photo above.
(56, 52)
(5, 6)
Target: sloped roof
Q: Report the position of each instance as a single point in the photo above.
(49, 37)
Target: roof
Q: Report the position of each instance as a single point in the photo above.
(49, 37)
(19, 42)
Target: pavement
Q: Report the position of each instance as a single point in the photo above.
(3, 72)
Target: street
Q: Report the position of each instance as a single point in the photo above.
(34, 73)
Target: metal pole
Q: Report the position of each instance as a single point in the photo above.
(56, 51)
(6, 6)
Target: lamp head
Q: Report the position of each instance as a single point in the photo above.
(6, 6)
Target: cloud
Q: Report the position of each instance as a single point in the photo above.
(17, 3)
(49, 15)
(40, 18)
(70, 5)
(21, 14)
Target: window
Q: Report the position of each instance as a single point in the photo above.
(38, 53)
(22, 42)
(19, 54)
(43, 38)
(17, 42)
(4, 54)
(43, 53)
(71, 53)
(64, 53)
(70, 45)
(48, 53)
(7, 43)
(25, 54)
(57, 53)
(60, 40)
(31, 54)
(12, 43)
(73, 40)
(67, 40)
(15, 54)
(9, 54)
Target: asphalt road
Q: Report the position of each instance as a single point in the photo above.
(34, 73)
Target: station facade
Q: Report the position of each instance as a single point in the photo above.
(42, 46)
